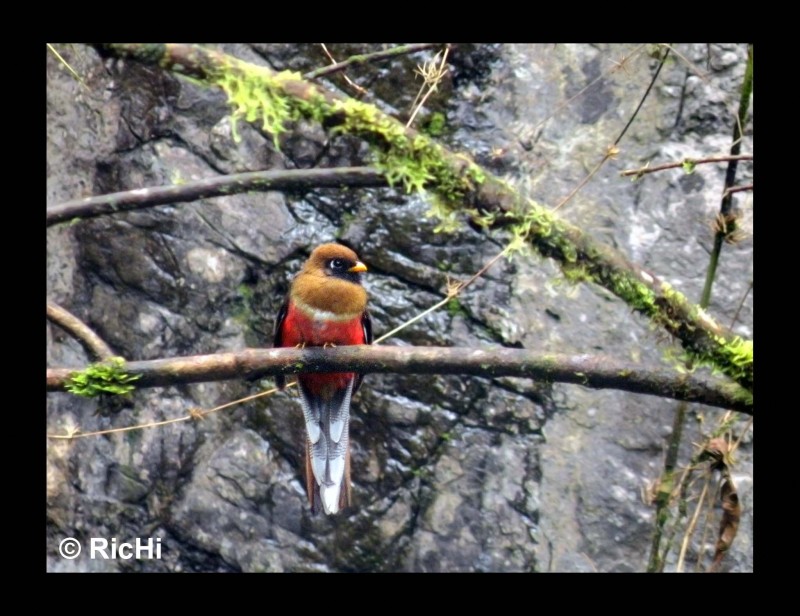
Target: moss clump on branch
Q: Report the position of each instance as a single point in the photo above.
(108, 377)
(411, 160)
(259, 95)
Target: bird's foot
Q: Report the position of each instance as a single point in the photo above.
(329, 345)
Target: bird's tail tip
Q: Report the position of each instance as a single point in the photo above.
(329, 498)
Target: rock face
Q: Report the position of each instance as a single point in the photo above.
(450, 473)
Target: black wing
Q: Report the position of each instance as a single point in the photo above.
(280, 380)
(366, 324)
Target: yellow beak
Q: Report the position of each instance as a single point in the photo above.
(358, 267)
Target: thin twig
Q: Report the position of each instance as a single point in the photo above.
(730, 178)
(452, 292)
(353, 84)
(706, 528)
(369, 57)
(611, 152)
(666, 482)
(76, 328)
(697, 71)
(644, 97)
(686, 161)
(588, 86)
(66, 64)
(193, 414)
(741, 303)
(692, 525)
(735, 189)
(224, 185)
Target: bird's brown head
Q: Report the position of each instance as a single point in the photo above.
(335, 260)
(331, 280)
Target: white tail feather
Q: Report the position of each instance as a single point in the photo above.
(327, 426)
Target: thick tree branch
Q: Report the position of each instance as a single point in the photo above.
(459, 185)
(595, 371)
(299, 179)
(76, 328)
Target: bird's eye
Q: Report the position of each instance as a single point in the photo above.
(337, 264)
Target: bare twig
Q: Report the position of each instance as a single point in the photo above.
(453, 291)
(735, 189)
(665, 490)
(741, 303)
(611, 152)
(694, 68)
(140, 198)
(692, 525)
(686, 161)
(644, 97)
(195, 414)
(76, 328)
(616, 67)
(369, 57)
(350, 82)
(588, 370)
(68, 67)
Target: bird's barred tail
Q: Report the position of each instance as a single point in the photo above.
(327, 419)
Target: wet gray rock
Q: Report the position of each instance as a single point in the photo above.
(450, 473)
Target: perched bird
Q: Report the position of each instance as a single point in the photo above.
(326, 306)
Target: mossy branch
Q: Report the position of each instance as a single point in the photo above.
(457, 185)
(594, 371)
(110, 377)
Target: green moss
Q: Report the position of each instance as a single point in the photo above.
(435, 124)
(454, 308)
(243, 312)
(575, 273)
(414, 162)
(738, 355)
(258, 94)
(103, 378)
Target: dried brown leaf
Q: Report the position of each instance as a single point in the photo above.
(729, 526)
